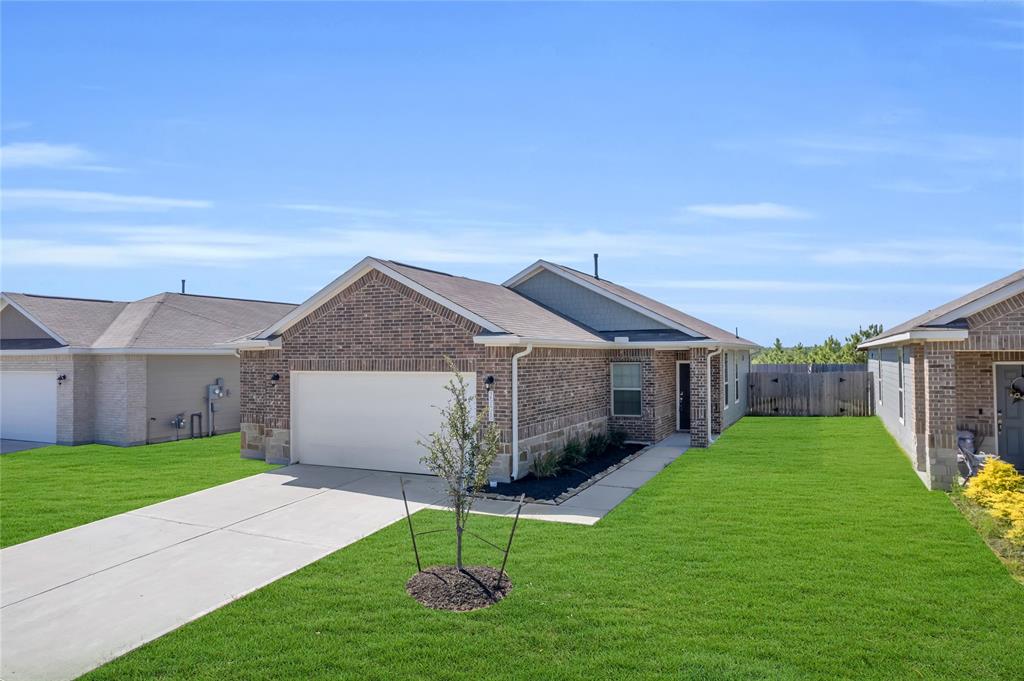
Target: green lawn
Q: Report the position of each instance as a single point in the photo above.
(53, 488)
(794, 548)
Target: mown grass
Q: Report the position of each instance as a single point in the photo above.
(792, 549)
(55, 488)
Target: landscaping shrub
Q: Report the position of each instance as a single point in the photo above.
(1000, 489)
(616, 438)
(597, 443)
(573, 453)
(546, 465)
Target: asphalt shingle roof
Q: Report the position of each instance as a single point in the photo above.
(166, 320)
(926, 319)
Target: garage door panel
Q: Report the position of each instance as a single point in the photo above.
(28, 405)
(366, 419)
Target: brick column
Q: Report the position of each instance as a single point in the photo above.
(698, 397)
(940, 417)
(916, 406)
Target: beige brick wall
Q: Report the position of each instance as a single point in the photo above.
(120, 399)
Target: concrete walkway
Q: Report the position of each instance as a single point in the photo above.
(74, 600)
(8, 446)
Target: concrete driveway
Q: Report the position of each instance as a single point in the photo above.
(73, 600)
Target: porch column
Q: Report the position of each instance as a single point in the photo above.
(917, 406)
(940, 416)
(698, 397)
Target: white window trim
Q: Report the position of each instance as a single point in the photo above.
(901, 386)
(736, 377)
(880, 391)
(725, 379)
(611, 382)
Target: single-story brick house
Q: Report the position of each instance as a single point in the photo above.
(353, 375)
(74, 371)
(957, 367)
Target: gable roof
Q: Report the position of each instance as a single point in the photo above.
(496, 309)
(950, 317)
(505, 315)
(163, 321)
(652, 308)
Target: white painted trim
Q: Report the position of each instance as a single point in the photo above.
(995, 399)
(922, 334)
(509, 340)
(612, 389)
(252, 344)
(982, 303)
(117, 351)
(640, 309)
(351, 276)
(678, 362)
(725, 381)
(32, 318)
(901, 384)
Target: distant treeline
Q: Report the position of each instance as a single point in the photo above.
(831, 351)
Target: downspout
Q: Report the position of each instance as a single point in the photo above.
(708, 374)
(515, 408)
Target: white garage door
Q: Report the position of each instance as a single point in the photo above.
(28, 405)
(364, 419)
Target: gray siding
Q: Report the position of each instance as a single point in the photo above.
(13, 325)
(582, 304)
(884, 365)
(177, 384)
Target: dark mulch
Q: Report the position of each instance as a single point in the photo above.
(444, 587)
(549, 488)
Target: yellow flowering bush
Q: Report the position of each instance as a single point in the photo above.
(1000, 489)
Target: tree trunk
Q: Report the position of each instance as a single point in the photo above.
(458, 547)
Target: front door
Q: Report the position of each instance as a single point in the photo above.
(1010, 413)
(684, 397)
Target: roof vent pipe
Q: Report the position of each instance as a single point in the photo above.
(182, 285)
(596, 276)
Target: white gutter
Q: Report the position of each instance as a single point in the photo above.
(117, 351)
(710, 355)
(515, 409)
(504, 340)
(917, 335)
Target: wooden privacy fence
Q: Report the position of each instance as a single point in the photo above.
(831, 393)
(806, 368)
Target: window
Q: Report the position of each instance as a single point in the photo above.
(899, 358)
(725, 380)
(736, 376)
(625, 389)
(879, 376)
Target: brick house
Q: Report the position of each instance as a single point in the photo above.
(352, 376)
(74, 370)
(957, 367)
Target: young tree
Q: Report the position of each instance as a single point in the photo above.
(461, 451)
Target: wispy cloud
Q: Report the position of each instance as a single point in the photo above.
(335, 209)
(54, 156)
(91, 202)
(749, 211)
(927, 252)
(960, 148)
(917, 187)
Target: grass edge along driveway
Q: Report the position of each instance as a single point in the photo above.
(55, 488)
(791, 549)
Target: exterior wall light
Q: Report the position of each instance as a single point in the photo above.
(274, 378)
(61, 379)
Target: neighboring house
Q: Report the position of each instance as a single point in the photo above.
(74, 371)
(957, 367)
(352, 377)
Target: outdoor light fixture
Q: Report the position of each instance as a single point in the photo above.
(489, 381)
(274, 378)
(61, 379)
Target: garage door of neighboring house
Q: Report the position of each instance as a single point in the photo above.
(28, 405)
(366, 419)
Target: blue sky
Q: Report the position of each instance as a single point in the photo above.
(791, 169)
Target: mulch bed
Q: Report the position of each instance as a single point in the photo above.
(550, 488)
(444, 587)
